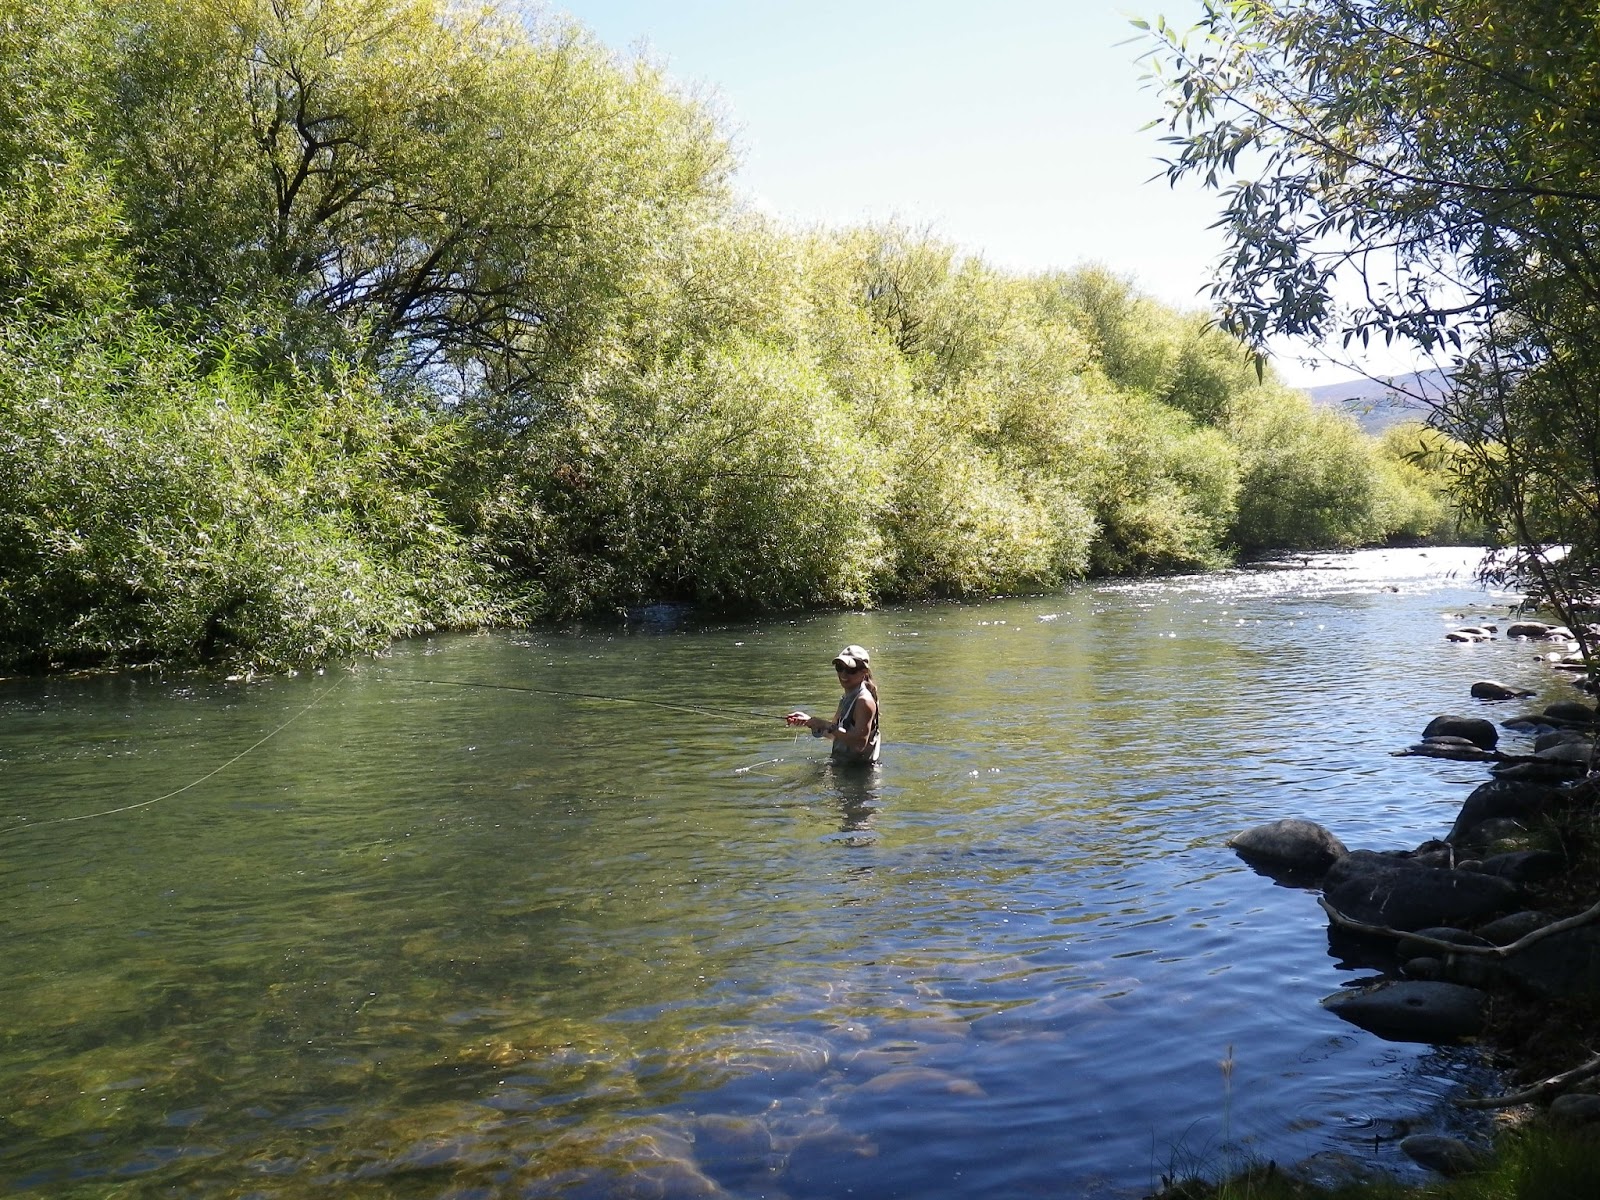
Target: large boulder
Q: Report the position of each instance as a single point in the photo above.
(1558, 737)
(1379, 889)
(1479, 732)
(1572, 751)
(1574, 711)
(1563, 965)
(1412, 1010)
(1524, 866)
(1450, 1157)
(1501, 798)
(1575, 1109)
(1528, 629)
(1502, 931)
(1292, 844)
(1539, 770)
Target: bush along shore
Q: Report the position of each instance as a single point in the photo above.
(327, 324)
(1490, 934)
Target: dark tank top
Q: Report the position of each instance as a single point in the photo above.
(842, 719)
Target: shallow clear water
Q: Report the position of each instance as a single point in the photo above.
(437, 936)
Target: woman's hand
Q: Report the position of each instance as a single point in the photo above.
(798, 718)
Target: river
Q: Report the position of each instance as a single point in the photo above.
(574, 914)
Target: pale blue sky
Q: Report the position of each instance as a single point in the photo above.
(1011, 128)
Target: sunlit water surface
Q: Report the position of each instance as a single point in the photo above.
(442, 936)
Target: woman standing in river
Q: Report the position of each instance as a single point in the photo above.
(854, 728)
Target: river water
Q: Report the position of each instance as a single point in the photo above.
(461, 927)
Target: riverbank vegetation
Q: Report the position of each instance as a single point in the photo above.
(329, 322)
(1532, 1164)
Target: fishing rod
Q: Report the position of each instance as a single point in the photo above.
(750, 715)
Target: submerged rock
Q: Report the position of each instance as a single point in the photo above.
(1490, 689)
(1412, 1010)
(1335, 1169)
(1457, 748)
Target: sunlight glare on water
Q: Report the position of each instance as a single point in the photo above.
(574, 913)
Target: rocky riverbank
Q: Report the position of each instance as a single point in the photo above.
(1490, 934)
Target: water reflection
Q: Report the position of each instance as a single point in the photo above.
(858, 790)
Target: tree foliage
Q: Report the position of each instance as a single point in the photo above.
(154, 509)
(445, 192)
(1422, 171)
(327, 321)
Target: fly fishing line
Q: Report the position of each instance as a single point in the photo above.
(749, 715)
(256, 745)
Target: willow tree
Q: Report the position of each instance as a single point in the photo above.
(60, 223)
(446, 192)
(1424, 172)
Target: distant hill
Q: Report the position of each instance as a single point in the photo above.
(1376, 403)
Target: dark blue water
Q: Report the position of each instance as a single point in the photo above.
(435, 936)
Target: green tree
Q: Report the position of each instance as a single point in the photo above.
(446, 193)
(1309, 478)
(60, 221)
(153, 508)
(1425, 171)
